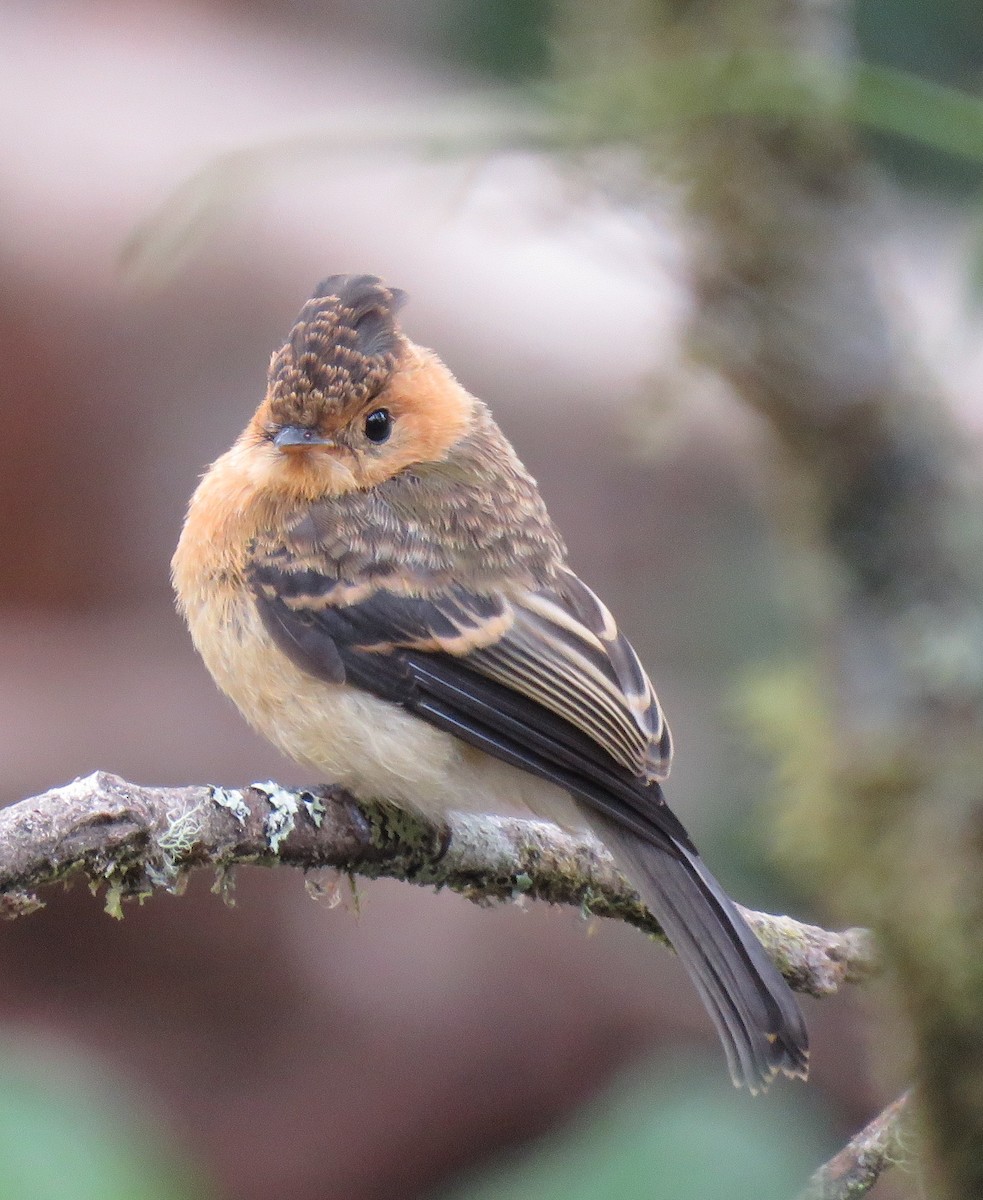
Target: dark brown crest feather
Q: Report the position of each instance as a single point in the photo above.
(343, 349)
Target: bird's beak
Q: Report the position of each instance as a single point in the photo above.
(296, 437)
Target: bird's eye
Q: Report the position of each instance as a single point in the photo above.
(378, 425)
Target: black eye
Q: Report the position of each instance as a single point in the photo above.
(378, 425)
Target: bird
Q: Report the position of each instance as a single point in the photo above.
(371, 575)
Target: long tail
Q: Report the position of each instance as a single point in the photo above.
(756, 1015)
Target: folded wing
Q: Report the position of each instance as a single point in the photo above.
(544, 681)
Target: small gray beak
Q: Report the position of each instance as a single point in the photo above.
(299, 435)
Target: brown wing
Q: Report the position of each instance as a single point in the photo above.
(564, 651)
(428, 655)
(558, 647)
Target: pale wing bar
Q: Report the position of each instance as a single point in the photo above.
(564, 651)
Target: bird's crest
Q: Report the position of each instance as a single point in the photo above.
(343, 349)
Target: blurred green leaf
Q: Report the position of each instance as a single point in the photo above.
(64, 1135)
(679, 1132)
(647, 93)
(506, 38)
(889, 101)
(943, 42)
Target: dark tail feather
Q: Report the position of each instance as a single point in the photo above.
(756, 1015)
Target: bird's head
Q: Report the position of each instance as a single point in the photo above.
(350, 401)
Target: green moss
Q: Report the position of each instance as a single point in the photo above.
(409, 844)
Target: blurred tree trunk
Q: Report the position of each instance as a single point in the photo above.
(878, 729)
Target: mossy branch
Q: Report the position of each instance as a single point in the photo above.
(858, 1166)
(137, 840)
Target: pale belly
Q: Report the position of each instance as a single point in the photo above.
(370, 746)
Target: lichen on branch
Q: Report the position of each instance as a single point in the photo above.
(137, 840)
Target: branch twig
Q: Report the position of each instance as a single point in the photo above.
(140, 839)
(858, 1166)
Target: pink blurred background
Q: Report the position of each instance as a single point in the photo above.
(282, 1046)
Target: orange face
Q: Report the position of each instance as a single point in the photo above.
(331, 447)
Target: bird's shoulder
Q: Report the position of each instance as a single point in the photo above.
(365, 602)
(475, 517)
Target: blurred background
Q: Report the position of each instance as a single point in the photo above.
(174, 178)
